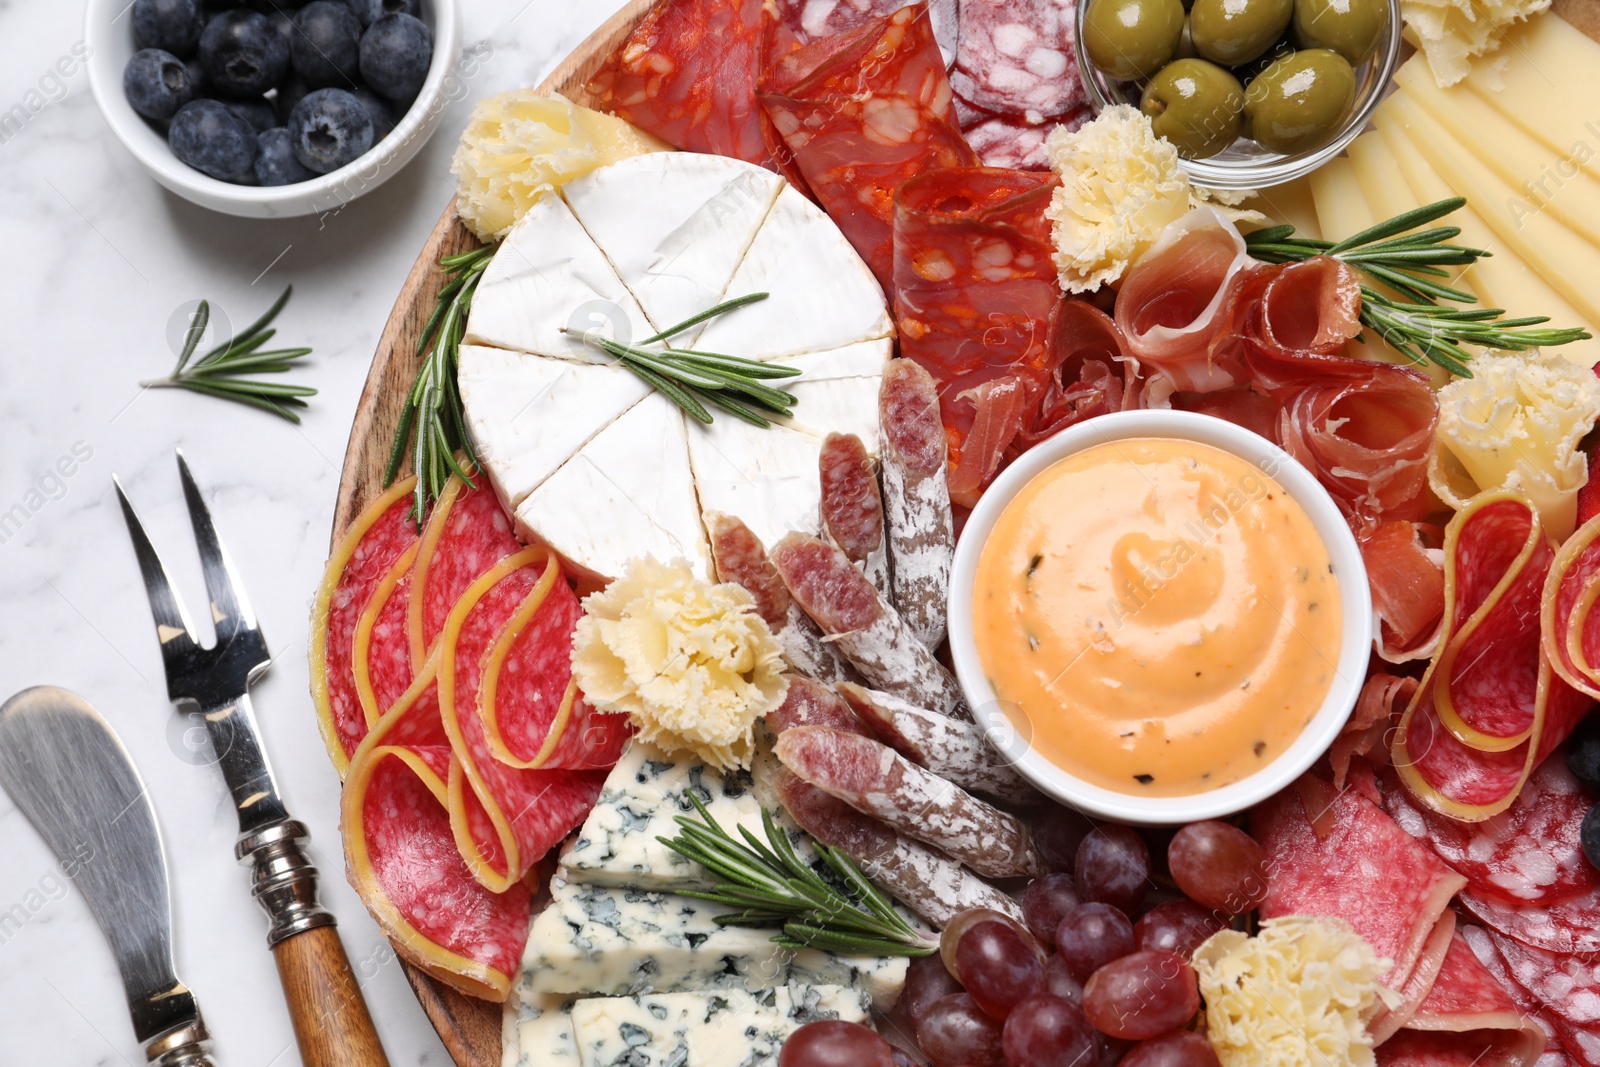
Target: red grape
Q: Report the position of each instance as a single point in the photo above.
(957, 928)
(1219, 866)
(927, 980)
(1112, 1049)
(1180, 1048)
(956, 1033)
(902, 1058)
(1046, 902)
(1091, 936)
(1113, 867)
(835, 1043)
(1141, 995)
(1047, 1032)
(997, 967)
(1176, 926)
(1057, 833)
(1059, 982)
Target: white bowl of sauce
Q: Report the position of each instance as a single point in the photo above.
(1160, 616)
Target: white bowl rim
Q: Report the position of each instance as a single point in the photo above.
(1301, 485)
(445, 25)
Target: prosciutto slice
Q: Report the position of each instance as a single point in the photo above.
(1092, 372)
(1405, 570)
(1291, 322)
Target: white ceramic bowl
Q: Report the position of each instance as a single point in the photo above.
(108, 31)
(1330, 525)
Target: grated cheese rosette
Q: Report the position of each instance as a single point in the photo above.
(1298, 994)
(1451, 33)
(1517, 424)
(520, 145)
(691, 663)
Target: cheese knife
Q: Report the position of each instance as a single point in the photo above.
(69, 774)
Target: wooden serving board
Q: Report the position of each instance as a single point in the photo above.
(469, 1028)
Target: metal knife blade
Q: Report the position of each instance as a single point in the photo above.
(69, 774)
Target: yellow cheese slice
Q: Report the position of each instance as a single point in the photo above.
(1342, 210)
(1382, 182)
(1562, 258)
(1544, 180)
(1546, 78)
(1290, 202)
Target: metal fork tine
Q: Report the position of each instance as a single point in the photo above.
(173, 628)
(230, 606)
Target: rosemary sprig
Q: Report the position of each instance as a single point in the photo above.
(687, 377)
(433, 406)
(217, 372)
(1410, 265)
(773, 886)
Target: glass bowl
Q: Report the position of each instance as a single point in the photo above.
(1245, 164)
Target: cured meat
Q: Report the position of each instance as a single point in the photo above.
(975, 292)
(921, 537)
(1567, 926)
(861, 113)
(1367, 732)
(741, 558)
(812, 20)
(1405, 573)
(876, 781)
(1489, 709)
(1475, 1048)
(852, 506)
(1173, 301)
(382, 651)
(1240, 405)
(1017, 58)
(1567, 985)
(1351, 861)
(1419, 985)
(1467, 1013)
(1292, 321)
(687, 73)
(1001, 141)
(948, 747)
(1092, 373)
(869, 633)
(468, 532)
(1561, 1034)
(930, 884)
(382, 534)
(1569, 623)
(809, 703)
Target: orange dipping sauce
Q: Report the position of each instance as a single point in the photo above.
(1158, 616)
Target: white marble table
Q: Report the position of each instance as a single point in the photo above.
(96, 260)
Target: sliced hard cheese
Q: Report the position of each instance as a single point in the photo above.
(1545, 78)
(547, 277)
(1383, 184)
(1342, 210)
(1291, 202)
(626, 493)
(675, 226)
(619, 942)
(1563, 259)
(822, 295)
(529, 414)
(731, 1028)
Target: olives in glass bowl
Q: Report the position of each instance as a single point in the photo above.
(1251, 93)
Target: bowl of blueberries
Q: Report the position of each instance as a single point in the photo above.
(272, 108)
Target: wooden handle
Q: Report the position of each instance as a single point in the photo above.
(331, 1023)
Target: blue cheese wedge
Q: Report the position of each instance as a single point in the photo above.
(538, 1032)
(727, 1028)
(622, 942)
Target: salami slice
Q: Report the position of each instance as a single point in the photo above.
(861, 113)
(1582, 1042)
(402, 859)
(1570, 625)
(929, 883)
(1418, 987)
(504, 817)
(1017, 58)
(948, 747)
(384, 668)
(1012, 143)
(810, 703)
(687, 74)
(1355, 864)
(812, 20)
(852, 506)
(869, 633)
(467, 534)
(1476, 1048)
(1568, 926)
(876, 781)
(916, 498)
(378, 537)
(1568, 985)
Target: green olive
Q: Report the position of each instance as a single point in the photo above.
(1231, 32)
(1299, 101)
(1196, 105)
(1130, 39)
(1185, 49)
(1247, 73)
(1349, 27)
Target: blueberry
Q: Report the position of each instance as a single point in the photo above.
(243, 53)
(370, 11)
(170, 25)
(330, 128)
(197, 75)
(291, 92)
(275, 160)
(326, 48)
(1589, 836)
(378, 108)
(258, 114)
(212, 140)
(395, 53)
(156, 84)
(267, 7)
(1583, 753)
(284, 24)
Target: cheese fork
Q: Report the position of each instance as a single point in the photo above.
(331, 1023)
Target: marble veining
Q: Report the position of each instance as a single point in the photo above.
(98, 262)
